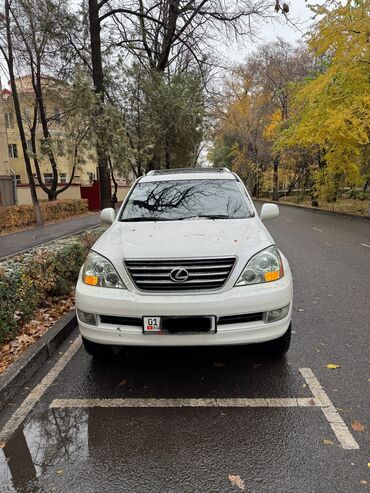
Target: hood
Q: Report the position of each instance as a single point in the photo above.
(183, 239)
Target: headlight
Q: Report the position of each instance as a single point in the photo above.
(98, 271)
(265, 266)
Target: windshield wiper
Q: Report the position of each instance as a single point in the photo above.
(206, 216)
(142, 219)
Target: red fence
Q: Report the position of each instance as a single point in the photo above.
(92, 194)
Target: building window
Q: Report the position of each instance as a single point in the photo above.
(9, 120)
(27, 115)
(60, 147)
(13, 151)
(63, 177)
(57, 114)
(18, 179)
(91, 177)
(48, 178)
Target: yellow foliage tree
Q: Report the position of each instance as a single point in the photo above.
(331, 109)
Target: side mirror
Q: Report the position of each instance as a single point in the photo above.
(269, 211)
(107, 215)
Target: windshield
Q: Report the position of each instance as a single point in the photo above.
(187, 199)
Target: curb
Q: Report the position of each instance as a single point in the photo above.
(22, 370)
(317, 211)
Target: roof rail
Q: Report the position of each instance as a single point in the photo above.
(187, 170)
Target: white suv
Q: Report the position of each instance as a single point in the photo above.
(186, 262)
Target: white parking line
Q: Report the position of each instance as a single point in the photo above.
(35, 395)
(331, 414)
(364, 244)
(317, 229)
(318, 400)
(233, 402)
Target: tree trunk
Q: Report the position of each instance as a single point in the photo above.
(18, 113)
(98, 79)
(275, 188)
(113, 199)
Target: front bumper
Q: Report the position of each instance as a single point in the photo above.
(234, 301)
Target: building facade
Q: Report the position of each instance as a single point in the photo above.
(7, 184)
(12, 152)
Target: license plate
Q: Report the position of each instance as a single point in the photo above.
(152, 325)
(180, 325)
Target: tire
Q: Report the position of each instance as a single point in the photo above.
(96, 350)
(278, 347)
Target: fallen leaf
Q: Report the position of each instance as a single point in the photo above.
(60, 471)
(2, 444)
(219, 364)
(301, 309)
(357, 426)
(122, 382)
(332, 366)
(363, 481)
(236, 480)
(328, 442)
(368, 464)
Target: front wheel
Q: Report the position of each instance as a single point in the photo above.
(278, 347)
(96, 350)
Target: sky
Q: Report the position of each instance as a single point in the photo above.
(299, 14)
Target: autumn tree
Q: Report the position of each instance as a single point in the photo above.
(251, 110)
(39, 43)
(6, 47)
(330, 109)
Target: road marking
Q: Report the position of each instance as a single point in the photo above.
(337, 424)
(364, 244)
(317, 229)
(162, 403)
(35, 395)
(319, 400)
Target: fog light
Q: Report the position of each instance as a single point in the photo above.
(275, 315)
(87, 318)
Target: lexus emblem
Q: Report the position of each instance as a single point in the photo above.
(179, 274)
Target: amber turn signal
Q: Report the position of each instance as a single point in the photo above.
(272, 276)
(92, 280)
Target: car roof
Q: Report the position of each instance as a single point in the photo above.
(189, 174)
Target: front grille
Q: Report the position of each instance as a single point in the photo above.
(203, 274)
(240, 319)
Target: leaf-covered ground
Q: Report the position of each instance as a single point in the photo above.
(42, 320)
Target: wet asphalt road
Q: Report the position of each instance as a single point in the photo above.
(196, 449)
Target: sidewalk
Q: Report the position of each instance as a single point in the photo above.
(23, 240)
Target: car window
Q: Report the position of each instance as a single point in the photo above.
(187, 200)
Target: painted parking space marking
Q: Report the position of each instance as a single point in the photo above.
(319, 400)
(35, 395)
(161, 403)
(337, 424)
(364, 244)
